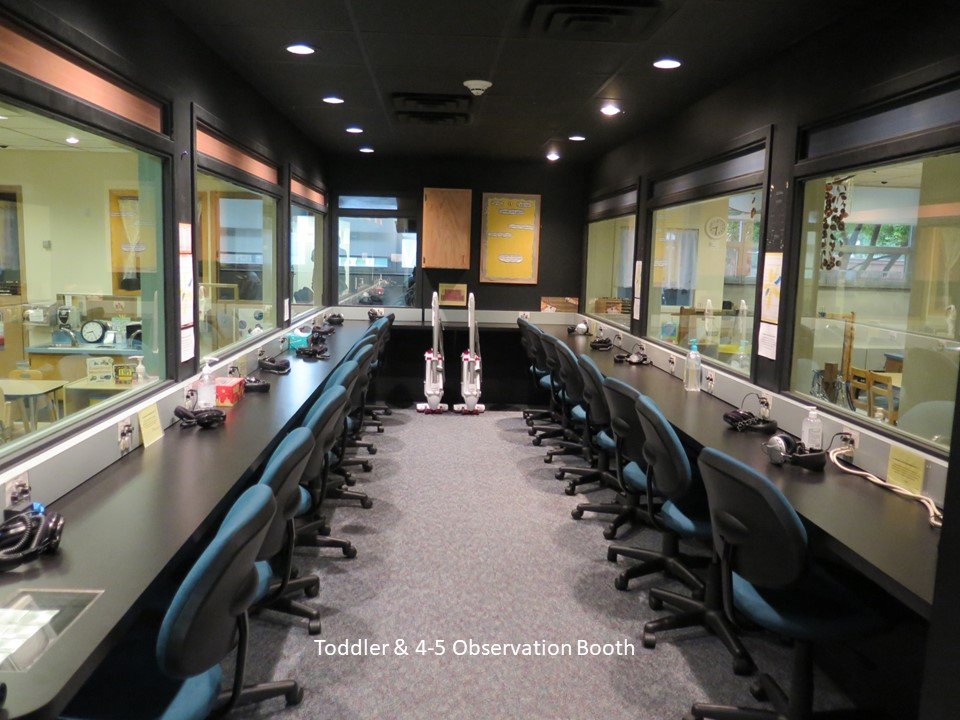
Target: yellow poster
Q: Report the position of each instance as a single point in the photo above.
(906, 469)
(510, 238)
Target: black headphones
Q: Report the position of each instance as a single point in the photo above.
(743, 421)
(27, 536)
(335, 319)
(602, 343)
(782, 449)
(275, 366)
(206, 418)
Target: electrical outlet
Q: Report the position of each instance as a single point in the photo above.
(14, 489)
(524, 314)
(854, 435)
(766, 404)
(189, 396)
(711, 379)
(641, 349)
(672, 362)
(125, 436)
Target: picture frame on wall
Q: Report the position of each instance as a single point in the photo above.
(453, 294)
(510, 239)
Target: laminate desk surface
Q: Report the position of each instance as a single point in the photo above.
(126, 524)
(886, 537)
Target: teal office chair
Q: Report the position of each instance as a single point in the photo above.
(324, 420)
(555, 427)
(683, 515)
(530, 343)
(176, 675)
(770, 578)
(348, 375)
(276, 583)
(574, 419)
(374, 412)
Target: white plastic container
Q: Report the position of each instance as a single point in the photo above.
(691, 370)
(811, 432)
(207, 387)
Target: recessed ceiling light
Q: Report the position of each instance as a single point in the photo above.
(610, 109)
(553, 156)
(4, 117)
(354, 130)
(577, 138)
(300, 49)
(333, 100)
(366, 149)
(667, 64)
(73, 140)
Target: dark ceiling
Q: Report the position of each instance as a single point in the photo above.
(552, 64)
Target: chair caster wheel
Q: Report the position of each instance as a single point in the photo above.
(743, 666)
(380, 429)
(576, 513)
(536, 440)
(649, 640)
(548, 459)
(349, 551)
(758, 692)
(367, 467)
(295, 697)
(372, 450)
(313, 627)
(294, 573)
(655, 603)
(612, 555)
(609, 533)
(324, 530)
(350, 481)
(311, 591)
(570, 490)
(531, 432)
(559, 474)
(621, 583)
(366, 503)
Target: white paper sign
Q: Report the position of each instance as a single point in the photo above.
(636, 308)
(637, 276)
(767, 341)
(186, 344)
(772, 273)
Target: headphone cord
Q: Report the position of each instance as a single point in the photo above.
(934, 513)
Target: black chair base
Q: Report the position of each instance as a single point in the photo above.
(628, 512)
(707, 612)
(670, 561)
(306, 538)
(564, 447)
(798, 706)
(289, 690)
(584, 476)
(336, 493)
(278, 599)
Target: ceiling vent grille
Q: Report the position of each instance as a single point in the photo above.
(597, 20)
(431, 109)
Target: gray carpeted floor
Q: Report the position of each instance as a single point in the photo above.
(470, 537)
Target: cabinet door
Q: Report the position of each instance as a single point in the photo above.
(446, 228)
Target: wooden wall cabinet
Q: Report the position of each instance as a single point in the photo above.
(446, 228)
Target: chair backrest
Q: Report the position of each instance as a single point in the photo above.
(325, 422)
(859, 388)
(593, 395)
(199, 628)
(570, 373)
(526, 339)
(671, 474)
(551, 360)
(624, 421)
(756, 532)
(364, 358)
(341, 371)
(282, 475)
(369, 340)
(881, 397)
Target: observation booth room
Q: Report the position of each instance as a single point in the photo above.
(508, 359)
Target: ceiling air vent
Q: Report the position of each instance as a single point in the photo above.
(598, 20)
(426, 109)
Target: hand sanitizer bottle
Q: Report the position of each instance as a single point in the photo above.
(207, 386)
(691, 371)
(140, 373)
(811, 432)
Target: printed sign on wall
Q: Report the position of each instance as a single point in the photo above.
(510, 239)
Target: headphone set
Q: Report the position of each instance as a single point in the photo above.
(782, 449)
(316, 348)
(207, 418)
(637, 357)
(601, 343)
(744, 421)
(273, 365)
(29, 535)
(334, 319)
(578, 329)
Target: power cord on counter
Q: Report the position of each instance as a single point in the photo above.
(847, 448)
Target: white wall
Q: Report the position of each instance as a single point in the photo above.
(66, 202)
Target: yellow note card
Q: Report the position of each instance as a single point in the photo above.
(906, 469)
(150, 428)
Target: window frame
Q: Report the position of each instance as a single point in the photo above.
(324, 216)
(612, 214)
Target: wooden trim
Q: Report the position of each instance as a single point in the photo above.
(28, 57)
(307, 192)
(210, 145)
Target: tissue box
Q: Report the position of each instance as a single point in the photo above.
(229, 391)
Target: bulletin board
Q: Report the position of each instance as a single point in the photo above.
(510, 239)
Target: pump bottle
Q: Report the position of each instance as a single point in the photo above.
(207, 386)
(691, 370)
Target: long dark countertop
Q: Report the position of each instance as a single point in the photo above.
(126, 524)
(883, 535)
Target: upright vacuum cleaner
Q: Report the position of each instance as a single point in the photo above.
(470, 371)
(433, 359)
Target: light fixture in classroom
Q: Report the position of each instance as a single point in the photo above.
(667, 63)
(610, 109)
(577, 138)
(354, 130)
(72, 140)
(366, 149)
(4, 117)
(333, 100)
(553, 156)
(300, 49)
